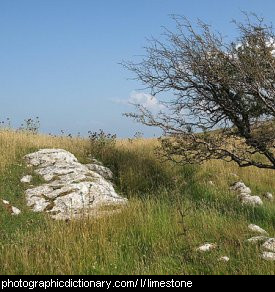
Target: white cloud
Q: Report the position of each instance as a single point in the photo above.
(147, 100)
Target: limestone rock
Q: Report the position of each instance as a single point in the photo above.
(26, 179)
(15, 211)
(269, 244)
(244, 194)
(256, 228)
(207, 247)
(100, 169)
(45, 157)
(240, 187)
(268, 196)
(224, 259)
(257, 239)
(250, 200)
(11, 209)
(269, 256)
(72, 190)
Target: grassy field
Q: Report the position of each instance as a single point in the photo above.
(171, 211)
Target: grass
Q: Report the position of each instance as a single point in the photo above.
(171, 211)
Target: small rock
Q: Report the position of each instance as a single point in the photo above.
(269, 244)
(224, 259)
(269, 256)
(256, 228)
(256, 239)
(207, 247)
(26, 179)
(240, 187)
(250, 200)
(211, 183)
(268, 196)
(11, 209)
(15, 211)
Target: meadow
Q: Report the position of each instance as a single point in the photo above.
(172, 210)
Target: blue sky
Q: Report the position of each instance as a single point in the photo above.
(59, 58)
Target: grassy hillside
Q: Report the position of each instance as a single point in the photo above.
(171, 211)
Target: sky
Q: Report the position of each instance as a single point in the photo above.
(59, 59)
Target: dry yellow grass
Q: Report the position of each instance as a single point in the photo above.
(14, 142)
(223, 173)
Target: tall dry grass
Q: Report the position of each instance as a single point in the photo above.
(14, 143)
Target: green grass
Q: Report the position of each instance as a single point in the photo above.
(171, 211)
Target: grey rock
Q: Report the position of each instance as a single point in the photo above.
(268, 196)
(100, 169)
(269, 244)
(224, 259)
(72, 190)
(45, 157)
(240, 187)
(26, 179)
(256, 228)
(207, 247)
(12, 210)
(250, 200)
(15, 210)
(268, 256)
(257, 239)
(244, 194)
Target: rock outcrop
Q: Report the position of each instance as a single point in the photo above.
(71, 189)
(244, 194)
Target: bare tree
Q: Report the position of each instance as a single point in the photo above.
(223, 103)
